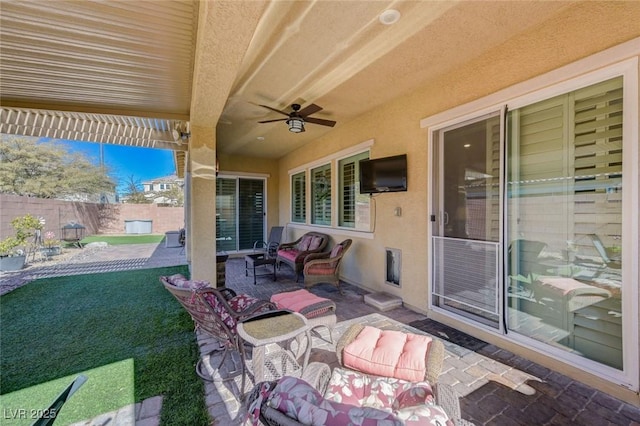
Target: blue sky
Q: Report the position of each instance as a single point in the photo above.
(125, 161)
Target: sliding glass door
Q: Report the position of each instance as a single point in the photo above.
(565, 222)
(533, 216)
(240, 213)
(466, 241)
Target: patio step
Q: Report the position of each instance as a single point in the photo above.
(382, 301)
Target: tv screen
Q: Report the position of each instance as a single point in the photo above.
(387, 174)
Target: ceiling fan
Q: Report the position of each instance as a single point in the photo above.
(297, 117)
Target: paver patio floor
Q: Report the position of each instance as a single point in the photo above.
(495, 386)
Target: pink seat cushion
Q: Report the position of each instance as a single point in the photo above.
(321, 269)
(303, 301)
(289, 254)
(565, 286)
(388, 353)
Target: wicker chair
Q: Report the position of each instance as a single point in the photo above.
(325, 267)
(295, 252)
(445, 396)
(216, 311)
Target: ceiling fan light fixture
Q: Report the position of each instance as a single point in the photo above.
(296, 125)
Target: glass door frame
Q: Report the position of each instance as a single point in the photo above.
(441, 217)
(568, 78)
(237, 178)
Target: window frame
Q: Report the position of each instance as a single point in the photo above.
(320, 201)
(356, 157)
(334, 161)
(298, 195)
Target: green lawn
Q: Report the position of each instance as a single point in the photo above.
(124, 239)
(122, 329)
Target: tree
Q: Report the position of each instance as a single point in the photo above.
(133, 194)
(47, 170)
(175, 194)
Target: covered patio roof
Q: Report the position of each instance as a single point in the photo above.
(131, 73)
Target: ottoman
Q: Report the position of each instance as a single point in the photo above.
(320, 312)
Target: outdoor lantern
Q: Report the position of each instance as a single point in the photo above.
(72, 233)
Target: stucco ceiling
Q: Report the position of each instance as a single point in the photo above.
(147, 59)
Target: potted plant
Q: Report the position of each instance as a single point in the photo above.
(50, 245)
(11, 257)
(13, 249)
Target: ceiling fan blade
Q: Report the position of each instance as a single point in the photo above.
(271, 121)
(275, 110)
(320, 121)
(309, 109)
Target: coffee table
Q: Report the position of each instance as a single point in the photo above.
(276, 327)
(251, 261)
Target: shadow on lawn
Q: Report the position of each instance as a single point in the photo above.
(121, 329)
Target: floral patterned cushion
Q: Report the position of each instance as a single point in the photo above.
(242, 302)
(238, 304)
(300, 401)
(412, 402)
(181, 281)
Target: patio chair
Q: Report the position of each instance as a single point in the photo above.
(217, 312)
(610, 260)
(270, 247)
(325, 267)
(294, 253)
(354, 396)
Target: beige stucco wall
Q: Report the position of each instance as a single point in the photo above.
(395, 128)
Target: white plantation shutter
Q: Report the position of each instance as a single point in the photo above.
(321, 195)
(598, 161)
(240, 208)
(298, 198)
(348, 210)
(570, 147)
(565, 186)
(351, 202)
(251, 212)
(226, 207)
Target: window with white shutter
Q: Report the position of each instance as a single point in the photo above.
(353, 206)
(321, 195)
(298, 197)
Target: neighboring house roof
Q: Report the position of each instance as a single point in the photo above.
(169, 179)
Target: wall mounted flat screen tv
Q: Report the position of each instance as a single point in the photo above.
(388, 174)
